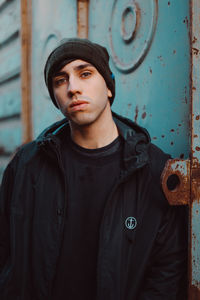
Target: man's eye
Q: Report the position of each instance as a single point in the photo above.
(59, 81)
(85, 74)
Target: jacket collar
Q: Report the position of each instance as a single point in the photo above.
(136, 143)
(136, 140)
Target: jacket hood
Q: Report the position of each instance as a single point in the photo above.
(136, 139)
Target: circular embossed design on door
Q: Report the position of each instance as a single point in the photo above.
(131, 32)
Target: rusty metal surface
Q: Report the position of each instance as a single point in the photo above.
(82, 18)
(176, 181)
(194, 259)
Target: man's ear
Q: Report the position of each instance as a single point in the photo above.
(109, 93)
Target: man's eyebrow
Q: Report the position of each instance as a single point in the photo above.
(61, 73)
(83, 66)
(76, 68)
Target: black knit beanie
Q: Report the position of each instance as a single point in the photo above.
(76, 48)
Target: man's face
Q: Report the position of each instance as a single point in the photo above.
(81, 92)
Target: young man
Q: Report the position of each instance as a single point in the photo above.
(82, 209)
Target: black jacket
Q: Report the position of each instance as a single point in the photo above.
(147, 262)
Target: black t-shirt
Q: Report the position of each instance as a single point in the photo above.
(90, 177)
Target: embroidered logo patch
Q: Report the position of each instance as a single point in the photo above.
(131, 223)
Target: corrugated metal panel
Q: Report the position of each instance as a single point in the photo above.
(10, 60)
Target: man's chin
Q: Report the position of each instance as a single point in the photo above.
(81, 119)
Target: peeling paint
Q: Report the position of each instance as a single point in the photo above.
(194, 40)
(186, 21)
(136, 114)
(144, 115)
(195, 51)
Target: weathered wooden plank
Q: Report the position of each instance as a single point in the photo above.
(9, 20)
(82, 18)
(26, 38)
(10, 60)
(10, 98)
(10, 135)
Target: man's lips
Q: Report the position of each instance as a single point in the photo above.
(78, 105)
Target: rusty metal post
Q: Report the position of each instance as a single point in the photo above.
(82, 18)
(187, 190)
(194, 287)
(26, 35)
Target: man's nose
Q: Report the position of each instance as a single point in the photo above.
(73, 86)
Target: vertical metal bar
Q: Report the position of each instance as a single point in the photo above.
(194, 287)
(26, 18)
(82, 18)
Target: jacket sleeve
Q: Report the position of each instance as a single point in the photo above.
(5, 196)
(166, 275)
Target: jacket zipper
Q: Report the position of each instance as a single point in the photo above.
(61, 212)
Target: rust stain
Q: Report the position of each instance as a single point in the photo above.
(195, 51)
(144, 115)
(197, 148)
(160, 57)
(194, 292)
(185, 90)
(136, 114)
(194, 88)
(195, 136)
(197, 117)
(179, 171)
(195, 177)
(186, 21)
(194, 40)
